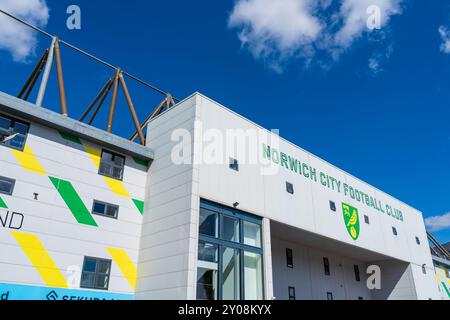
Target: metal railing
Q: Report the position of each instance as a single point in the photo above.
(44, 66)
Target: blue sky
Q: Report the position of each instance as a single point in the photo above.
(374, 103)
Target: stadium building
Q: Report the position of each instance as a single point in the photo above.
(211, 207)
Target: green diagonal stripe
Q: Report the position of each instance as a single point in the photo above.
(70, 137)
(140, 205)
(3, 204)
(73, 201)
(446, 289)
(141, 161)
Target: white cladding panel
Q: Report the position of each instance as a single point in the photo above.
(308, 208)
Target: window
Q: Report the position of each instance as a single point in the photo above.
(234, 164)
(253, 279)
(366, 219)
(7, 185)
(291, 293)
(357, 276)
(252, 234)
(332, 206)
(209, 221)
(207, 272)
(394, 231)
(418, 240)
(326, 266)
(230, 262)
(230, 229)
(329, 295)
(95, 273)
(112, 165)
(13, 133)
(105, 209)
(289, 258)
(289, 187)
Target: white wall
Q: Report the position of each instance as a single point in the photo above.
(168, 249)
(308, 278)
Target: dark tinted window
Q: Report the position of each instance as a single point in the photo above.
(357, 276)
(13, 133)
(289, 187)
(96, 273)
(289, 258)
(291, 293)
(394, 231)
(332, 206)
(112, 165)
(6, 185)
(105, 209)
(326, 266)
(234, 164)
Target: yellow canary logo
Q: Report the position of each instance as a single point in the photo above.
(351, 219)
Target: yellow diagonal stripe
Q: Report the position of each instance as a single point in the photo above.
(123, 261)
(117, 187)
(28, 160)
(94, 154)
(40, 259)
(445, 275)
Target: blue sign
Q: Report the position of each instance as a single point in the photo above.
(24, 292)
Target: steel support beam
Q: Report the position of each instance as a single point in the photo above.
(62, 91)
(132, 110)
(113, 101)
(45, 76)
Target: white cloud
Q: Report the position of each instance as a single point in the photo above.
(438, 223)
(445, 36)
(374, 65)
(284, 29)
(354, 16)
(20, 40)
(378, 59)
(268, 27)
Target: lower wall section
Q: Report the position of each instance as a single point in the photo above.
(306, 277)
(22, 292)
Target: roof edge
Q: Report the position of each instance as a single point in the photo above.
(33, 113)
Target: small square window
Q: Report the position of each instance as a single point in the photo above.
(112, 165)
(13, 133)
(96, 273)
(332, 206)
(366, 219)
(418, 240)
(289, 258)
(291, 293)
(326, 266)
(7, 185)
(394, 231)
(329, 295)
(234, 164)
(289, 187)
(105, 209)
